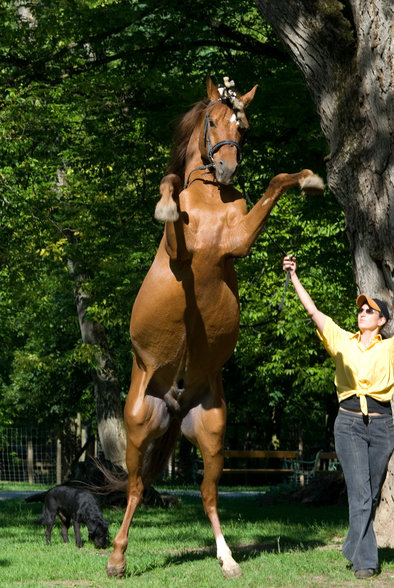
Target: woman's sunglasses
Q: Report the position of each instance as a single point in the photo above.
(367, 310)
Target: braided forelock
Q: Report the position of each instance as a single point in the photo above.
(227, 91)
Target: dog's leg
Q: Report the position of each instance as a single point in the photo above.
(65, 532)
(48, 532)
(65, 526)
(77, 533)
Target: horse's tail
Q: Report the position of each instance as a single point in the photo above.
(158, 453)
(155, 461)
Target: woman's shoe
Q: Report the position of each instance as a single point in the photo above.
(365, 573)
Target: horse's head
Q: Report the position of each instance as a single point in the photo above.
(223, 129)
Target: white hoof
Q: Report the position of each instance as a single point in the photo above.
(230, 568)
(167, 213)
(313, 185)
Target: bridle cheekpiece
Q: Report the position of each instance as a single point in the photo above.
(227, 96)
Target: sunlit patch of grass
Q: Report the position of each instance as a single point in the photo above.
(276, 545)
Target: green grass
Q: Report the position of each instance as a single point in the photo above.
(9, 486)
(276, 545)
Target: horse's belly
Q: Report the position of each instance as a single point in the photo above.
(184, 325)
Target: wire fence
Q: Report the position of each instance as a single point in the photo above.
(39, 456)
(27, 455)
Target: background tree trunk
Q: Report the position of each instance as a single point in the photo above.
(106, 386)
(346, 63)
(383, 523)
(345, 54)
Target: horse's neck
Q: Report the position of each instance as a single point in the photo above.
(194, 160)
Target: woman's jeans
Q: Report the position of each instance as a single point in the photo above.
(363, 445)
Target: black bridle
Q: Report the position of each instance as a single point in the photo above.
(211, 149)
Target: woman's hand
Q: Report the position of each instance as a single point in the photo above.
(289, 264)
(319, 318)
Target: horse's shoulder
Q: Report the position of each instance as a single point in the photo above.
(235, 212)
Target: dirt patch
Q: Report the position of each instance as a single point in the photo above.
(385, 579)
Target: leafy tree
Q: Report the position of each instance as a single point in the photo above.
(344, 51)
(90, 90)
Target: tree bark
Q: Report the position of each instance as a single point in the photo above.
(106, 385)
(345, 54)
(346, 63)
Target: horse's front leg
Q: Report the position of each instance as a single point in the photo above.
(244, 234)
(205, 428)
(167, 207)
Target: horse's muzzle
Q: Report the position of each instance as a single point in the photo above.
(224, 173)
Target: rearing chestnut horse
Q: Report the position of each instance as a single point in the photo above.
(185, 319)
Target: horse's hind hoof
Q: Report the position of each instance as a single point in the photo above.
(115, 571)
(233, 571)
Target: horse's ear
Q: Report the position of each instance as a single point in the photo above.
(212, 91)
(246, 98)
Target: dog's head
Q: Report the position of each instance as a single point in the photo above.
(99, 534)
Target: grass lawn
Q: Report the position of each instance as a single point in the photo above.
(276, 545)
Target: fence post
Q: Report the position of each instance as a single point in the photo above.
(59, 459)
(84, 438)
(30, 460)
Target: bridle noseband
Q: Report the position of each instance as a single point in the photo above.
(211, 149)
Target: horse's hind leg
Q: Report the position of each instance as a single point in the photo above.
(116, 565)
(143, 423)
(205, 427)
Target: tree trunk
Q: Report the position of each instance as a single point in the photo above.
(345, 61)
(383, 523)
(106, 386)
(345, 54)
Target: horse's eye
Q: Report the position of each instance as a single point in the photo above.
(211, 123)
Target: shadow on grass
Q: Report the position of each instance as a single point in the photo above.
(241, 553)
(386, 555)
(17, 518)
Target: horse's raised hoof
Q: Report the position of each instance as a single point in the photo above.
(116, 571)
(166, 212)
(312, 185)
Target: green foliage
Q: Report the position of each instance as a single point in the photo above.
(285, 374)
(89, 93)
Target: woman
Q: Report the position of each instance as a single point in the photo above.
(364, 429)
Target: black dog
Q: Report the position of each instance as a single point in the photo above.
(72, 504)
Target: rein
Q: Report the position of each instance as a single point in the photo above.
(211, 149)
(287, 280)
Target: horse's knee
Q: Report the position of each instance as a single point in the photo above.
(173, 181)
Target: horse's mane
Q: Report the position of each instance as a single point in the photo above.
(182, 134)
